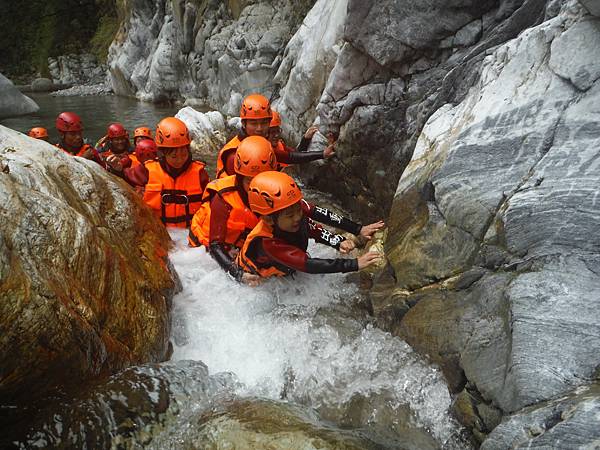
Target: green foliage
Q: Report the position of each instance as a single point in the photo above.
(107, 28)
(33, 30)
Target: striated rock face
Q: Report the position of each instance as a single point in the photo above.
(77, 69)
(401, 61)
(493, 244)
(84, 276)
(308, 59)
(211, 51)
(571, 422)
(12, 102)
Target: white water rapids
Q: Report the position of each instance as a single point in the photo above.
(295, 338)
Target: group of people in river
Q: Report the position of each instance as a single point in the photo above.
(252, 217)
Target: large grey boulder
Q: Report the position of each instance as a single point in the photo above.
(85, 281)
(493, 245)
(12, 102)
(208, 132)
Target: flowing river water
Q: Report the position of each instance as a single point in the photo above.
(293, 364)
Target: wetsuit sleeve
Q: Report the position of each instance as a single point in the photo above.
(230, 163)
(323, 235)
(136, 176)
(220, 254)
(303, 145)
(204, 179)
(297, 157)
(297, 259)
(328, 217)
(219, 214)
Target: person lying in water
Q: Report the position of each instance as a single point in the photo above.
(277, 245)
(225, 218)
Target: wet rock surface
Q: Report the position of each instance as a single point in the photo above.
(569, 422)
(492, 247)
(85, 282)
(12, 102)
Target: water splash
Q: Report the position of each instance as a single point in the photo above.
(300, 339)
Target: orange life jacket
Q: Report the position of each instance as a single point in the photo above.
(261, 230)
(174, 200)
(231, 146)
(240, 222)
(81, 151)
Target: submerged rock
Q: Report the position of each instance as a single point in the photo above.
(495, 224)
(85, 281)
(12, 102)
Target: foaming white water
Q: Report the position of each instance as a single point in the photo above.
(297, 338)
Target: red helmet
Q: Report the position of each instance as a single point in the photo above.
(271, 191)
(116, 130)
(142, 132)
(255, 106)
(253, 156)
(275, 120)
(172, 132)
(145, 149)
(68, 121)
(38, 132)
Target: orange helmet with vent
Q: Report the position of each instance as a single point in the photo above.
(172, 132)
(142, 132)
(254, 107)
(272, 191)
(253, 156)
(38, 133)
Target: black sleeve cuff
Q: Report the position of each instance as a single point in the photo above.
(318, 265)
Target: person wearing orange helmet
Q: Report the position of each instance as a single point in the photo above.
(225, 218)
(256, 116)
(38, 133)
(70, 129)
(277, 245)
(141, 134)
(278, 143)
(173, 184)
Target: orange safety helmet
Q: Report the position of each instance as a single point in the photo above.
(272, 191)
(145, 150)
(142, 132)
(276, 120)
(68, 121)
(172, 132)
(38, 133)
(253, 156)
(255, 106)
(116, 130)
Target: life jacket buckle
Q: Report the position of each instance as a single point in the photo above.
(167, 199)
